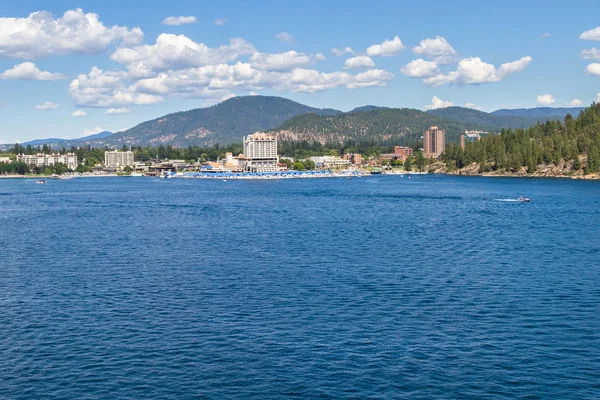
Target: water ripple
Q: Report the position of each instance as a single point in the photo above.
(372, 288)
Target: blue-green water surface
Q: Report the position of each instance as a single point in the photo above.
(378, 287)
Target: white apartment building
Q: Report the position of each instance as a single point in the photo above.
(116, 158)
(5, 160)
(44, 160)
(330, 162)
(260, 153)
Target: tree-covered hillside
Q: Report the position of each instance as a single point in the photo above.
(573, 144)
(381, 126)
(225, 122)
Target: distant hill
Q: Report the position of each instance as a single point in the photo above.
(470, 116)
(99, 135)
(57, 142)
(41, 142)
(223, 123)
(382, 126)
(542, 113)
(366, 108)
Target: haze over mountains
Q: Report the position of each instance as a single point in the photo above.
(228, 121)
(56, 141)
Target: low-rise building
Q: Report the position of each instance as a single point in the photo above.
(211, 166)
(471, 136)
(403, 152)
(330, 162)
(354, 158)
(231, 163)
(5, 160)
(45, 160)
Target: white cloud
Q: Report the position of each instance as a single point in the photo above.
(420, 69)
(341, 52)
(473, 71)
(181, 20)
(106, 89)
(177, 66)
(46, 106)
(436, 103)
(359, 62)
(115, 111)
(177, 52)
(217, 81)
(546, 35)
(27, 71)
(253, 94)
(283, 61)
(575, 103)
(473, 106)
(593, 69)
(220, 21)
(545, 99)
(284, 37)
(598, 98)
(387, 48)
(79, 113)
(437, 49)
(92, 131)
(592, 34)
(514, 66)
(41, 35)
(590, 54)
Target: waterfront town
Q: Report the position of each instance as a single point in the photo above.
(259, 158)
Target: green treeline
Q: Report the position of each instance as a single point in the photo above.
(546, 143)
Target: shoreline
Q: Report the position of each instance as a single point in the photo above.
(593, 177)
(55, 178)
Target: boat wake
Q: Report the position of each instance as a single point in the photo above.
(508, 200)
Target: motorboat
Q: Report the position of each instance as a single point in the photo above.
(41, 182)
(524, 199)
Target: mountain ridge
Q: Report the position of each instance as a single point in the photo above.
(540, 112)
(230, 120)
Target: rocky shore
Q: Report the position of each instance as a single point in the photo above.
(562, 170)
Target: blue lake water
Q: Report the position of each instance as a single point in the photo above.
(378, 287)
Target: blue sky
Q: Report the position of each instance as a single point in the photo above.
(73, 68)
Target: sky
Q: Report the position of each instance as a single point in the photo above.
(70, 69)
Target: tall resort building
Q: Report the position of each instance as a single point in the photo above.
(118, 158)
(260, 152)
(434, 142)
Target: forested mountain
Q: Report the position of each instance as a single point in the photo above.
(228, 121)
(223, 123)
(572, 146)
(475, 117)
(379, 126)
(541, 113)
